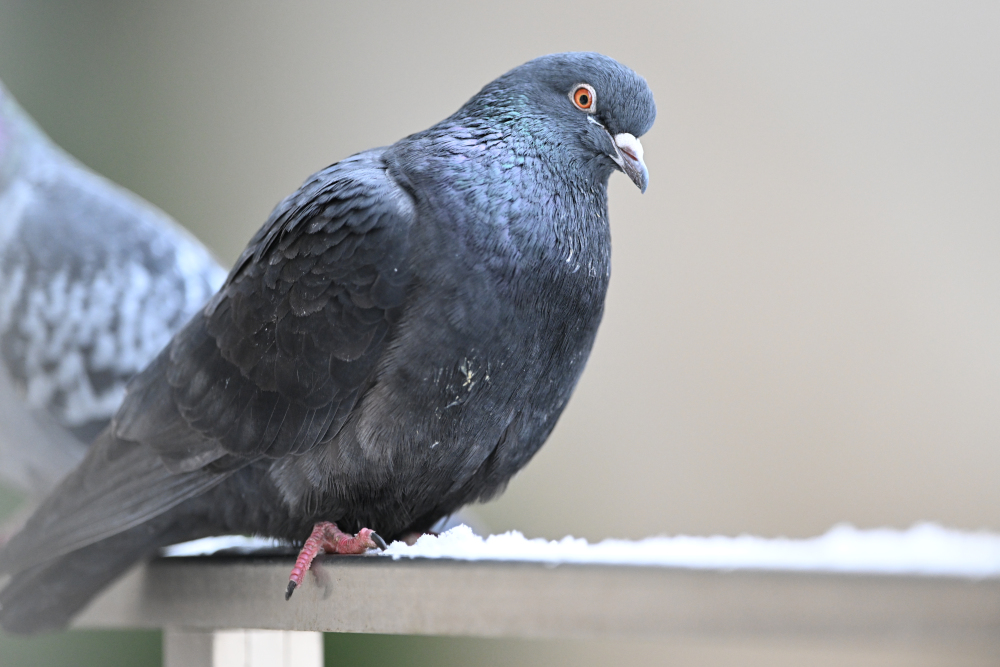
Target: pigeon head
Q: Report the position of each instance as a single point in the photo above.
(589, 109)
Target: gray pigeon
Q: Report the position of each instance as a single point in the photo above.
(397, 341)
(93, 284)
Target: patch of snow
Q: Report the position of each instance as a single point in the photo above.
(925, 549)
(207, 546)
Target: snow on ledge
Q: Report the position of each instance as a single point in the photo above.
(238, 545)
(924, 549)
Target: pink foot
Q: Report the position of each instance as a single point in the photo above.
(326, 537)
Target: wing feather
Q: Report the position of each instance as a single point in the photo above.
(277, 359)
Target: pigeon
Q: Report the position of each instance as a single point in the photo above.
(93, 284)
(396, 341)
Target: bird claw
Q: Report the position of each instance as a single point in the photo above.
(326, 537)
(379, 542)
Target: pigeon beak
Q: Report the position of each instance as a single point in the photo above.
(629, 158)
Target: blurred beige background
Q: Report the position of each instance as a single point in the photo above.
(803, 326)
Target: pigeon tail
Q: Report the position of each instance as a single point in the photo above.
(45, 597)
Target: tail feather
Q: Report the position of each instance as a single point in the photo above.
(120, 505)
(45, 597)
(120, 485)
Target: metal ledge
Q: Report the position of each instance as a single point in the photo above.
(516, 599)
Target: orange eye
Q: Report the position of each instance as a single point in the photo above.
(583, 97)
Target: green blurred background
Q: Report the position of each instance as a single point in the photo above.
(804, 314)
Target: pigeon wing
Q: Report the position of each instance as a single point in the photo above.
(281, 354)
